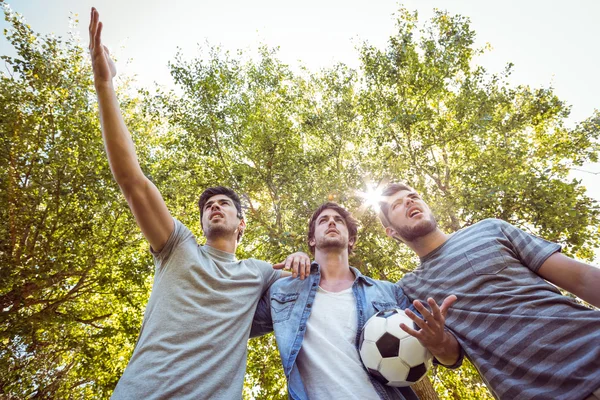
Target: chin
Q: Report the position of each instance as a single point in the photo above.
(218, 230)
(332, 243)
(418, 230)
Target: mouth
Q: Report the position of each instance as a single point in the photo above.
(328, 231)
(413, 212)
(216, 214)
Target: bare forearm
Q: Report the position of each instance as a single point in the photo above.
(117, 140)
(581, 279)
(589, 290)
(448, 352)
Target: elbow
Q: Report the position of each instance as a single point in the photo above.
(130, 185)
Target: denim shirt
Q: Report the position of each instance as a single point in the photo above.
(286, 306)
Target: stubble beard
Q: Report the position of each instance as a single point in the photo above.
(331, 243)
(412, 233)
(216, 231)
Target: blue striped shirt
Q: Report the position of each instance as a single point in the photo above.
(526, 339)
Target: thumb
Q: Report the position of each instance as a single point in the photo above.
(279, 265)
(448, 301)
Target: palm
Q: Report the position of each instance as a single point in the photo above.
(103, 66)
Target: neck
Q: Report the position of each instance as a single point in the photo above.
(426, 244)
(335, 269)
(222, 243)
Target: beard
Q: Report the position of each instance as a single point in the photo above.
(331, 243)
(412, 233)
(214, 231)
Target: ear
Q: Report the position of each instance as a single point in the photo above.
(242, 226)
(312, 242)
(351, 242)
(390, 232)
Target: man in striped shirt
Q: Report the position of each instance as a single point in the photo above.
(526, 339)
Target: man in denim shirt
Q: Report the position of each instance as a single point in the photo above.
(318, 340)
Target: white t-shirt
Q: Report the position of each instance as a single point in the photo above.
(328, 361)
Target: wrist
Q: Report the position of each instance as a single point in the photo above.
(441, 348)
(447, 352)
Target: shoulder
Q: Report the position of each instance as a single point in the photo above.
(264, 269)
(260, 264)
(289, 284)
(487, 224)
(180, 229)
(380, 284)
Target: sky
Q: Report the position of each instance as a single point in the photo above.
(550, 42)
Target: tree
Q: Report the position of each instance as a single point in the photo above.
(76, 271)
(74, 276)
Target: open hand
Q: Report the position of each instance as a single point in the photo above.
(103, 66)
(298, 263)
(432, 334)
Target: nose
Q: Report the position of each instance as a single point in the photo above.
(408, 201)
(214, 205)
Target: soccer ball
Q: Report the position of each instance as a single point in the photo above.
(391, 355)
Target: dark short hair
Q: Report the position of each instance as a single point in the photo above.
(213, 191)
(351, 223)
(384, 206)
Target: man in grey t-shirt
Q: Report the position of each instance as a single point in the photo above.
(192, 344)
(526, 339)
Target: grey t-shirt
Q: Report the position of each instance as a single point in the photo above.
(192, 344)
(527, 340)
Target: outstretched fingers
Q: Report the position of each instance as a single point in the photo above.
(98, 41)
(95, 30)
(92, 28)
(409, 330)
(447, 303)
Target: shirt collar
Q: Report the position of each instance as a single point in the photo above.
(315, 267)
(219, 254)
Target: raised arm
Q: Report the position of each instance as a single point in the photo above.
(143, 197)
(581, 279)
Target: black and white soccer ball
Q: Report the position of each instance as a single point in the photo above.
(391, 355)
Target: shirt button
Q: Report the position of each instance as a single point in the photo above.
(293, 351)
(308, 305)
(301, 328)
(314, 284)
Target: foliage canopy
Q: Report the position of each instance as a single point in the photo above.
(75, 270)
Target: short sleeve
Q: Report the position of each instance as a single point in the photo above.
(531, 250)
(268, 273)
(179, 235)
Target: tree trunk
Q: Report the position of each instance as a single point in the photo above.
(424, 390)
